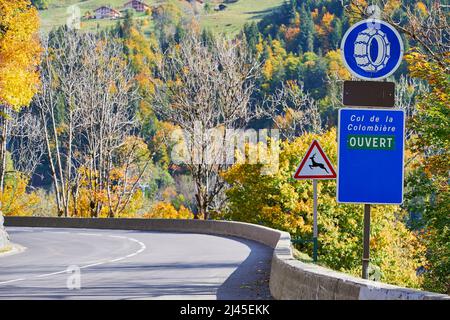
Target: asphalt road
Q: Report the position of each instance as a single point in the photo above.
(115, 264)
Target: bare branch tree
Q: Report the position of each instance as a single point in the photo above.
(59, 73)
(26, 143)
(106, 93)
(293, 111)
(87, 102)
(207, 88)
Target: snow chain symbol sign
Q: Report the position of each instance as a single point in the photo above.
(372, 49)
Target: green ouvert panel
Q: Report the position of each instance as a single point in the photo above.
(370, 142)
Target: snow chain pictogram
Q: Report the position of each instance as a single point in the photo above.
(362, 52)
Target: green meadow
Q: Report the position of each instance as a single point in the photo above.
(228, 21)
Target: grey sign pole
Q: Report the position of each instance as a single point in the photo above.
(366, 241)
(315, 230)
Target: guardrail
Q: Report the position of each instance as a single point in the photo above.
(290, 279)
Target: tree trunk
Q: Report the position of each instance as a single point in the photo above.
(4, 239)
(68, 165)
(59, 163)
(3, 137)
(52, 167)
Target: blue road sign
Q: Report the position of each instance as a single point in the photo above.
(372, 49)
(370, 156)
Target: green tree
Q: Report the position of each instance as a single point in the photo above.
(428, 181)
(40, 4)
(306, 30)
(336, 33)
(207, 7)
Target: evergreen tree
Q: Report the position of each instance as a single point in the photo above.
(251, 33)
(306, 30)
(336, 33)
(40, 4)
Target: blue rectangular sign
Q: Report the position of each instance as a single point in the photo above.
(370, 156)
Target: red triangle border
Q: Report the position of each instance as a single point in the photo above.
(333, 174)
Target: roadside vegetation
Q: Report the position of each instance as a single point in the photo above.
(90, 122)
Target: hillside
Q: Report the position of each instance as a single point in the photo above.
(229, 20)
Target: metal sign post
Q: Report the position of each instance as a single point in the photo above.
(366, 242)
(316, 166)
(315, 230)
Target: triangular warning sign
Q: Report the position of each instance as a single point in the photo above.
(315, 164)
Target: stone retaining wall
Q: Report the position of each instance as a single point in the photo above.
(290, 279)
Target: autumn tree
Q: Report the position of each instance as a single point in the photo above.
(19, 56)
(427, 183)
(145, 56)
(166, 17)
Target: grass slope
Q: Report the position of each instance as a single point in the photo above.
(237, 14)
(227, 21)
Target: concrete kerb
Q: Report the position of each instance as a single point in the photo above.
(290, 279)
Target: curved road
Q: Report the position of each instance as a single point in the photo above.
(115, 264)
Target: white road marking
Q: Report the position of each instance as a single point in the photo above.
(50, 274)
(141, 244)
(118, 259)
(89, 234)
(121, 237)
(9, 281)
(92, 265)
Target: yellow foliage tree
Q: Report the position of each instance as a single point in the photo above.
(336, 66)
(19, 52)
(164, 210)
(120, 195)
(276, 56)
(19, 79)
(422, 8)
(15, 199)
(327, 19)
(427, 180)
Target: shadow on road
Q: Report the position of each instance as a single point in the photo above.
(250, 281)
